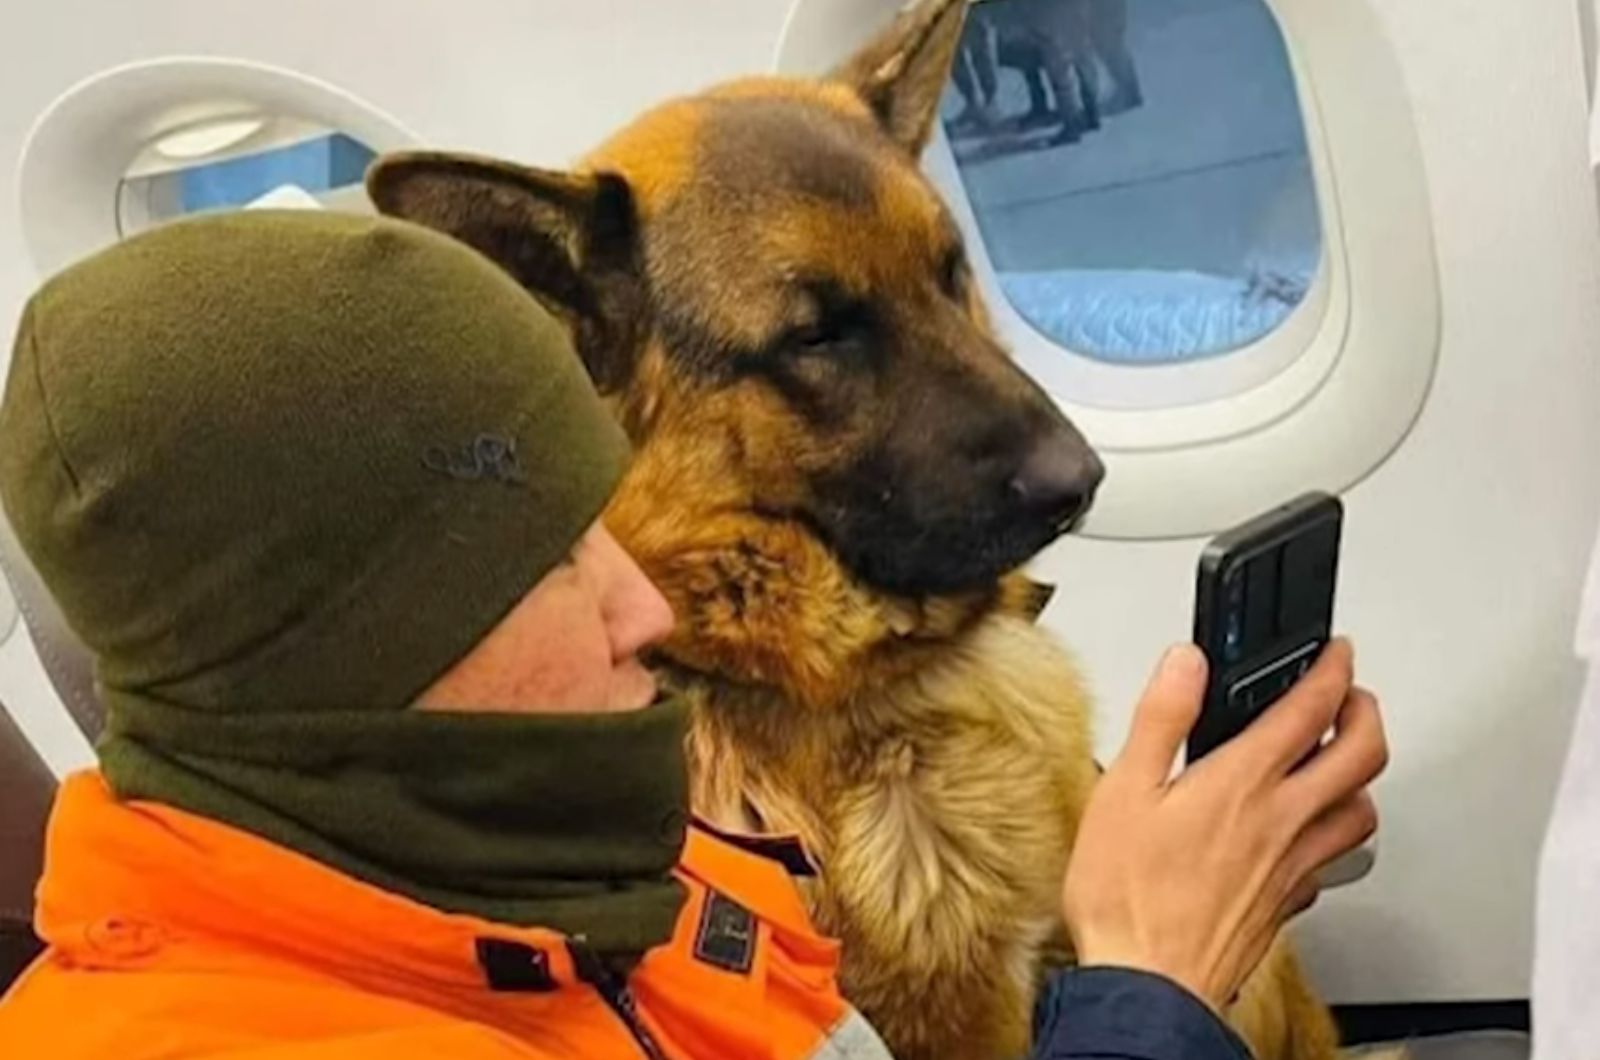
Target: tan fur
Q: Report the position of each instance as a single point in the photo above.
(934, 763)
(932, 750)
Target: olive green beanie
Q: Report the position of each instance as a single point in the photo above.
(294, 460)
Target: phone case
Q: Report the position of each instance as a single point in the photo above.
(1264, 611)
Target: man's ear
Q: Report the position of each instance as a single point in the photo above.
(571, 239)
(902, 72)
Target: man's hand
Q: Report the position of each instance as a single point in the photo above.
(1192, 878)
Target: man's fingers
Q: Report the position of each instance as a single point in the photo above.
(1337, 831)
(1302, 897)
(1166, 713)
(1357, 754)
(1283, 736)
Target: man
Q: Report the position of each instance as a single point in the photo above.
(383, 775)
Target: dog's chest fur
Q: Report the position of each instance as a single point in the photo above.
(940, 806)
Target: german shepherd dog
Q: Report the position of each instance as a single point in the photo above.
(838, 473)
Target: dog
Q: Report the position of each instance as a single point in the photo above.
(839, 473)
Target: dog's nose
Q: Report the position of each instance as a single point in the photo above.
(1058, 478)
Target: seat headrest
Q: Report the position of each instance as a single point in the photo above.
(67, 661)
(26, 791)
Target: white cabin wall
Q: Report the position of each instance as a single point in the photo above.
(1588, 16)
(1464, 554)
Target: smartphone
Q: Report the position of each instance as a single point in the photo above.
(1263, 611)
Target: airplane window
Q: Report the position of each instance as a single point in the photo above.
(1138, 170)
(1150, 215)
(241, 162)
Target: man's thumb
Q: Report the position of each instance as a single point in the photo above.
(1166, 713)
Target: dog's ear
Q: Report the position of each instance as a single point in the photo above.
(571, 239)
(901, 73)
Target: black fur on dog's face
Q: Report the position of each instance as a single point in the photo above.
(765, 268)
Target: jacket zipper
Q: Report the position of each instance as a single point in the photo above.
(617, 996)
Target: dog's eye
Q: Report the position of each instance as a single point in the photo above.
(952, 273)
(825, 335)
(836, 328)
(816, 337)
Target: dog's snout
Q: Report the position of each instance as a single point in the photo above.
(1058, 478)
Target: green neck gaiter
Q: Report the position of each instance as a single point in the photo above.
(571, 822)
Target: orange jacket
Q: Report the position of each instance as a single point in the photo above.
(172, 935)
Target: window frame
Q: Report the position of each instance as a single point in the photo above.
(81, 146)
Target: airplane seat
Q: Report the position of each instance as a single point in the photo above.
(66, 660)
(26, 790)
(27, 785)
(1484, 1045)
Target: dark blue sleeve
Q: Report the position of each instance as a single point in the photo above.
(1118, 1014)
